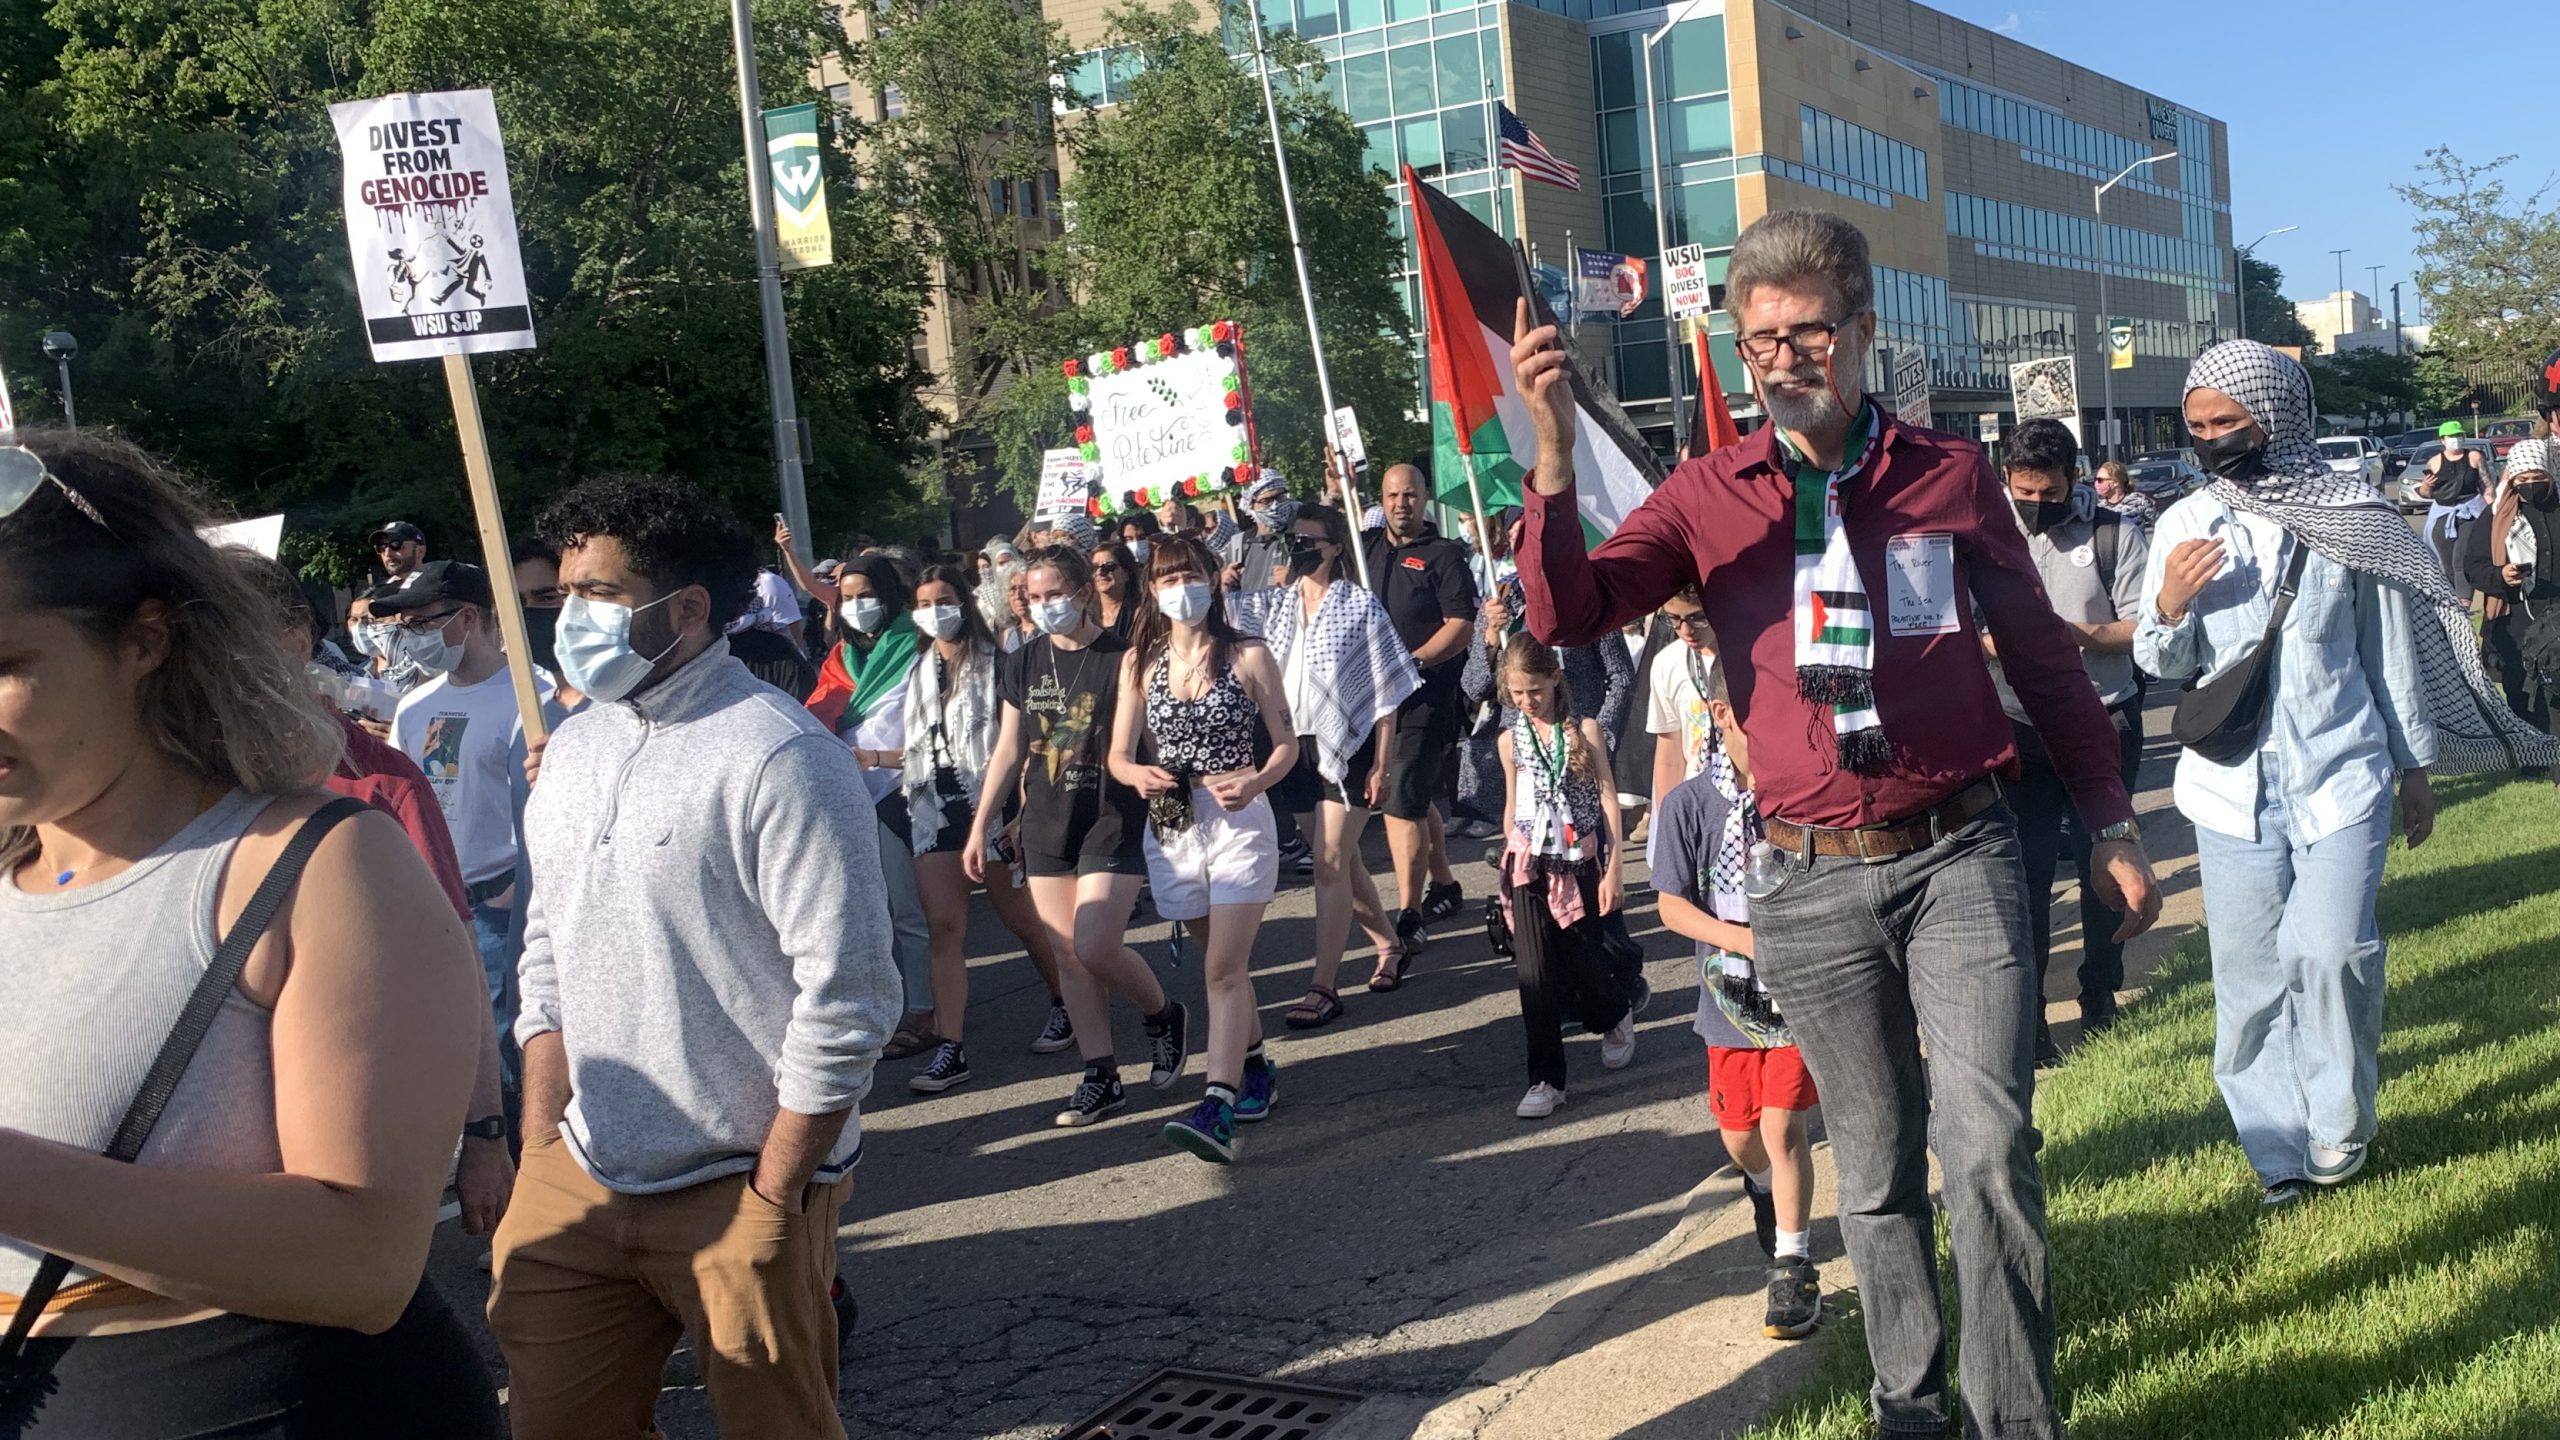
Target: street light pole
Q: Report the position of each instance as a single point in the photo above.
(2376, 293)
(1307, 292)
(2241, 256)
(2341, 297)
(2106, 322)
(788, 473)
(60, 346)
(1662, 225)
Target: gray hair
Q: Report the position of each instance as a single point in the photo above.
(1787, 247)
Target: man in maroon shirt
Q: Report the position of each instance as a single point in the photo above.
(1837, 550)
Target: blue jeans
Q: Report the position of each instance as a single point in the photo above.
(2297, 983)
(1865, 962)
(493, 934)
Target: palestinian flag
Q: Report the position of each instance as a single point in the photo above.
(1479, 425)
(1714, 428)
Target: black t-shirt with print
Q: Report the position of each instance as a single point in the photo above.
(1071, 805)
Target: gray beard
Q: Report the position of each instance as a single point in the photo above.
(1822, 407)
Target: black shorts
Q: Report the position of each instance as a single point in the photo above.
(1304, 787)
(953, 837)
(267, 1380)
(1422, 765)
(1130, 859)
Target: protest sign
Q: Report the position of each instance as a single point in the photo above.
(1063, 483)
(1911, 384)
(1164, 418)
(432, 225)
(264, 534)
(1608, 283)
(800, 225)
(2048, 389)
(1346, 439)
(1686, 288)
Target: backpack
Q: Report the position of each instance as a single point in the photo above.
(2106, 537)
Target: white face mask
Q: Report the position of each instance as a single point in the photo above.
(1139, 550)
(429, 650)
(942, 622)
(1186, 603)
(866, 615)
(593, 643)
(367, 638)
(1057, 617)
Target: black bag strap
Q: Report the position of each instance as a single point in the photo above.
(2106, 542)
(2285, 591)
(220, 975)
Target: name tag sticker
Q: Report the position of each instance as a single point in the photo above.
(1920, 585)
(2082, 556)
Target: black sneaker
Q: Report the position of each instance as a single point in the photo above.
(1439, 902)
(2048, 1054)
(950, 1067)
(1169, 1048)
(1409, 933)
(1055, 1036)
(1294, 850)
(2282, 1193)
(1096, 1096)
(1795, 1300)
(1764, 1217)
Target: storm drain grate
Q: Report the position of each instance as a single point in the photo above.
(1198, 1403)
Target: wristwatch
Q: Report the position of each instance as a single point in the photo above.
(2121, 830)
(487, 1127)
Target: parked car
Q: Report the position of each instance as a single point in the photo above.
(2402, 489)
(2356, 455)
(2167, 478)
(2399, 450)
(2502, 435)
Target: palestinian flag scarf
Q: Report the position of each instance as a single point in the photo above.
(1835, 630)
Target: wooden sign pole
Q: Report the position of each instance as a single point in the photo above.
(493, 542)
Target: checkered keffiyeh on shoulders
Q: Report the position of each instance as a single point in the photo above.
(2343, 518)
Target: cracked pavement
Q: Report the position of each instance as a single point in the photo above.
(1384, 1232)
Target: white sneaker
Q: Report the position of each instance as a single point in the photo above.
(1540, 1102)
(1618, 1047)
(2330, 1166)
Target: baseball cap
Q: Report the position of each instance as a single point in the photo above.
(435, 582)
(2450, 427)
(398, 532)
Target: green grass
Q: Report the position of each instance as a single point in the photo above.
(2419, 1302)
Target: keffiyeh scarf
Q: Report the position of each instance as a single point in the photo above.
(1835, 629)
(1360, 669)
(956, 739)
(2341, 517)
(1738, 990)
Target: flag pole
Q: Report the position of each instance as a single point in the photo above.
(789, 474)
(1306, 292)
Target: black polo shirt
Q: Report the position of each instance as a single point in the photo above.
(1424, 584)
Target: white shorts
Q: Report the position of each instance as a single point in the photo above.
(1225, 858)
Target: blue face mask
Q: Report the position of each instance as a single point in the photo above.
(593, 641)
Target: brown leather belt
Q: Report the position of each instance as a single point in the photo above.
(1873, 843)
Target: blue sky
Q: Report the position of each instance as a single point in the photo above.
(2330, 102)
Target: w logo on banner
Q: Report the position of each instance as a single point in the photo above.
(799, 187)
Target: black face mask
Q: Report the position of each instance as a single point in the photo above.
(2236, 455)
(541, 625)
(1306, 557)
(2540, 494)
(2037, 516)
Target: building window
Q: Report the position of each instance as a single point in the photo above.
(840, 105)
(893, 102)
(1853, 152)
(999, 197)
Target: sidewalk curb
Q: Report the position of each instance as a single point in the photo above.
(1561, 1330)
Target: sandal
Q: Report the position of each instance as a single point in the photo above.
(906, 1043)
(1321, 1007)
(1393, 962)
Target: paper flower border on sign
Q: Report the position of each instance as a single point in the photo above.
(1226, 339)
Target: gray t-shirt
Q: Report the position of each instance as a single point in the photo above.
(2092, 577)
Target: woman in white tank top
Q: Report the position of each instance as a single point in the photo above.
(257, 1272)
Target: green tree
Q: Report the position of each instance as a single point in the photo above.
(2271, 317)
(2365, 385)
(208, 278)
(2489, 264)
(974, 138)
(1178, 221)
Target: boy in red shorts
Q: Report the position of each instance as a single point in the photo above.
(1756, 1080)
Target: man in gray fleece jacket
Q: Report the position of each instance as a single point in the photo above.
(706, 985)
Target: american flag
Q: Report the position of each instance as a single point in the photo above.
(1522, 150)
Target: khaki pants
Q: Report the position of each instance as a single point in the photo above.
(592, 1289)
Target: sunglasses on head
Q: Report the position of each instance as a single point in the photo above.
(23, 473)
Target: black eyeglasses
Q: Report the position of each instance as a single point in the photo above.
(23, 473)
(1694, 620)
(1101, 570)
(1811, 342)
(421, 624)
